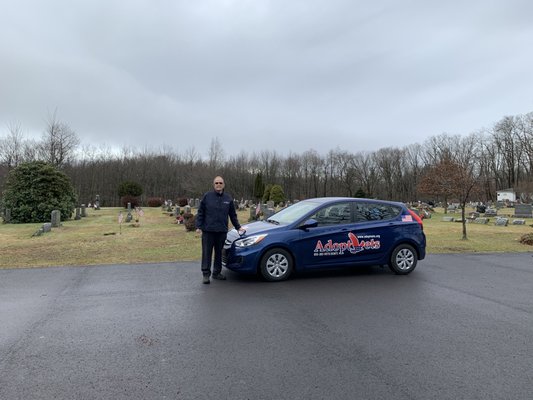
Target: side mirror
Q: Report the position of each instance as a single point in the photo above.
(310, 223)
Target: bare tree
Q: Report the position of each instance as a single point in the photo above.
(216, 154)
(59, 142)
(12, 147)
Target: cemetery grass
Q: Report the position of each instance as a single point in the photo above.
(99, 240)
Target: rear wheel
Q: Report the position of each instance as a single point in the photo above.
(276, 265)
(403, 259)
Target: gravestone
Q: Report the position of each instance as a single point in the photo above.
(7, 215)
(97, 202)
(519, 221)
(83, 211)
(501, 221)
(78, 214)
(490, 212)
(196, 203)
(47, 227)
(187, 210)
(129, 217)
(177, 211)
(448, 219)
(481, 220)
(252, 212)
(522, 211)
(270, 204)
(56, 218)
(268, 212)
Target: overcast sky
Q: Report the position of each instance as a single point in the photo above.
(284, 75)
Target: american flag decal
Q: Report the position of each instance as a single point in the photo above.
(407, 218)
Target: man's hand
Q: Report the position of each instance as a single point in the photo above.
(198, 232)
(242, 231)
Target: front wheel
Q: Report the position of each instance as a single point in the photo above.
(403, 259)
(276, 265)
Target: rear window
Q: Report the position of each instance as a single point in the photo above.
(375, 211)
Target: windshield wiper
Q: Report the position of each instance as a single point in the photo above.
(273, 221)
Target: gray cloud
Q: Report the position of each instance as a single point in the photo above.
(284, 76)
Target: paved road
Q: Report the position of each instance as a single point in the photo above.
(459, 327)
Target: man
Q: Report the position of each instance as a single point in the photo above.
(212, 223)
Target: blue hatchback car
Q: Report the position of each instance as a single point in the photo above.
(328, 232)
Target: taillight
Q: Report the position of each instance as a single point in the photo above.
(417, 218)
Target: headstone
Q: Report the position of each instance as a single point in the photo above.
(39, 232)
(481, 220)
(78, 214)
(196, 203)
(490, 212)
(448, 219)
(47, 227)
(268, 212)
(7, 215)
(270, 204)
(97, 202)
(177, 211)
(129, 216)
(523, 210)
(252, 212)
(56, 218)
(83, 211)
(187, 209)
(501, 221)
(519, 221)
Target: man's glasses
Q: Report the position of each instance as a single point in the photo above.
(219, 183)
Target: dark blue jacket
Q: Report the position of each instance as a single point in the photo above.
(213, 212)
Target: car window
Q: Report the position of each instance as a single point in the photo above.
(375, 211)
(333, 215)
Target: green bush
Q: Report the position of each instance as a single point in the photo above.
(130, 188)
(276, 194)
(33, 190)
(266, 192)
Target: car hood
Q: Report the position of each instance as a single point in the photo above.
(252, 228)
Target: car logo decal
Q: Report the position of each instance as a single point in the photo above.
(354, 245)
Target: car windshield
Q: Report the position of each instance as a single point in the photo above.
(293, 213)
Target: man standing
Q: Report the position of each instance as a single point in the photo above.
(212, 223)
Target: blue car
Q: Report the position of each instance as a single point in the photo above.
(328, 232)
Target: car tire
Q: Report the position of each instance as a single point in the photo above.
(276, 265)
(403, 259)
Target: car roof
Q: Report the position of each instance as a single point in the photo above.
(327, 200)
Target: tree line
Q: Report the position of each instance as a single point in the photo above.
(461, 167)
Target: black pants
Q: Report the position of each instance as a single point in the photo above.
(212, 241)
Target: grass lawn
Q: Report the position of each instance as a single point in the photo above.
(99, 239)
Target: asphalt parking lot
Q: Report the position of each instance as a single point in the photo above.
(458, 327)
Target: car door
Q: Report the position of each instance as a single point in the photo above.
(374, 229)
(329, 243)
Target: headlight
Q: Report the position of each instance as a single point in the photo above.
(250, 241)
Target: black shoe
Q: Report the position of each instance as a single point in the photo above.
(206, 279)
(219, 276)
